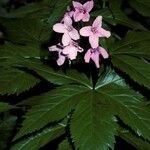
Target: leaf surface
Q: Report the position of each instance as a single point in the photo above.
(50, 107)
(15, 81)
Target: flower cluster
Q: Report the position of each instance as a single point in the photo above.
(69, 48)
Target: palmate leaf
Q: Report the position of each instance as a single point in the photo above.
(15, 81)
(50, 107)
(93, 124)
(40, 139)
(130, 106)
(5, 107)
(142, 6)
(56, 77)
(126, 55)
(120, 18)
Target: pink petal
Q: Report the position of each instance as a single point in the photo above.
(59, 27)
(95, 58)
(77, 5)
(78, 16)
(94, 40)
(104, 33)
(103, 52)
(87, 56)
(67, 20)
(71, 13)
(97, 22)
(86, 31)
(71, 52)
(66, 39)
(61, 60)
(54, 48)
(86, 17)
(74, 34)
(88, 5)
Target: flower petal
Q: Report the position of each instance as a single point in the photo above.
(77, 5)
(97, 22)
(71, 13)
(54, 48)
(67, 20)
(95, 58)
(74, 34)
(86, 31)
(104, 33)
(86, 17)
(70, 51)
(61, 60)
(66, 39)
(78, 16)
(103, 52)
(87, 56)
(94, 40)
(59, 27)
(88, 6)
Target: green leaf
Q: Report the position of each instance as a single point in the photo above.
(120, 18)
(50, 107)
(134, 44)
(137, 69)
(130, 106)
(137, 142)
(5, 107)
(109, 77)
(40, 139)
(56, 77)
(30, 10)
(58, 10)
(26, 30)
(64, 145)
(33, 27)
(128, 54)
(15, 81)
(135, 115)
(11, 53)
(142, 6)
(92, 123)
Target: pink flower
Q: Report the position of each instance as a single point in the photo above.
(94, 55)
(82, 11)
(70, 51)
(94, 32)
(67, 29)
